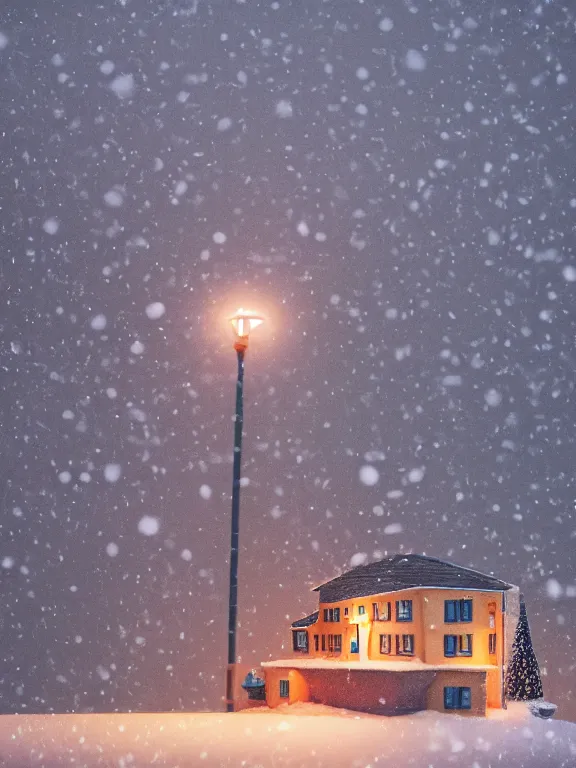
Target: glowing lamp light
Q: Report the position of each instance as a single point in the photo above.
(243, 322)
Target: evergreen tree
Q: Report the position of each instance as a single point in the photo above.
(523, 681)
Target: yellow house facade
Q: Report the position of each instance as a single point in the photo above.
(401, 635)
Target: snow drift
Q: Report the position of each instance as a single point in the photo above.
(301, 735)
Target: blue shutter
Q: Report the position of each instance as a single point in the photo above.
(449, 697)
(449, 611)
(466, 610)
(465, 698)
(449, 645)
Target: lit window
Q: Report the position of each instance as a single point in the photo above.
(405, 645)
(492, 644)
(301, 641)
(385, 643)
(381, 611)
(457, 645)
(465, 645)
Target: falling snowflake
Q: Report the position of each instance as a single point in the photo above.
(284, 109)
(51, 226)
(123, 86)
(155, 310)
(205, 492)
(368, 475)
(148, 525)
(112, 472)
(98, 323)
(137, 348)
(415, 60)
(493, 398)
(112, 549)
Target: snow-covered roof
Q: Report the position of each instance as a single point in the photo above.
(307, 621)
(381, 666)
(404, 572)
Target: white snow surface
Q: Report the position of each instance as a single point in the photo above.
(296, 735)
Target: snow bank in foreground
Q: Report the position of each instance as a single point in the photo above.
(297, 736)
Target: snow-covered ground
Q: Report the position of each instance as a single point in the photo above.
(297, 736)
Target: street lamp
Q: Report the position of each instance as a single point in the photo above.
(243, 323)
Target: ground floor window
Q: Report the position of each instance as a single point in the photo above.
(284, 689)
(334, 643)
(405, 645)
(457, 697)
(492, 644)
(316, 642)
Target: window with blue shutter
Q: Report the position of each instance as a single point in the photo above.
(465, 610)
(449, 645)
(457, 697)
(450, 611)
(457, 610)
(465, 645)
(403, 610)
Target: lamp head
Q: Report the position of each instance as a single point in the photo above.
(243, 322)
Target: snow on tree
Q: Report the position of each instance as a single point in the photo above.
(523, 681)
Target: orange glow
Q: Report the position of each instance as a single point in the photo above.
(244, 321)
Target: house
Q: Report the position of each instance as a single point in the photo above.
(399, 635)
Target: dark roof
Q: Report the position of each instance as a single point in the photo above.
(306, 621)
(403, 572)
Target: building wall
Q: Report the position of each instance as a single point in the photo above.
(241, 700)
(428, 628)
(385, 693)
(377, 692)
(473, 679)
(298, 686)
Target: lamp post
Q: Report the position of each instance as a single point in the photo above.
(243, 322)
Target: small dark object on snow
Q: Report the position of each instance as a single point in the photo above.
(542, 709)
(254, 685)
(523, 681)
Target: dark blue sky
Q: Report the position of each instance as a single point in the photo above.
(394, 183)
